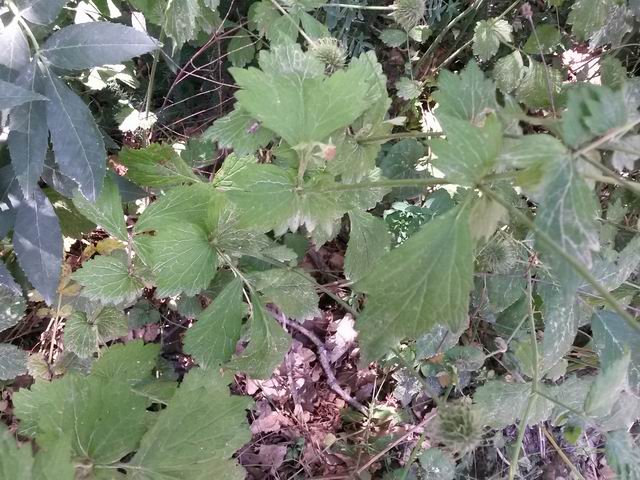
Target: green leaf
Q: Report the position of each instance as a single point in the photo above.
(408, 89)
(293, 291)
(424, 282)
(239, 131)
(182, 20)
(106, 211)
(180, 204)
(292, 97)
(623, 455)
(241, 49)
(108, 280)
(267, 198)
(540, 85)
(13, 361)
(7, 281)
(592, 111)
(508, 72)
(15, 55)
(196, 435)
(84, 332)
(92, 44)
(132, 363)
(436, 465)
(37, 241)
(562, 315)
(15, 462)
(613, 72)
(72, 223)
(488, 36)
(589, 16)
(29, 137)
(607, 387)
(545, 40)
(12, 95)
(182, 259)
(568, 214)
(491, 398)
(468, 153)
(468, 95)
(392, 37)
(12, 307)
(77, 141)
(537, 156)
(369, 241)
(268, 344)
(157, 165)
(613, 337)
(103, 419)
(41, 12)
(213, 339)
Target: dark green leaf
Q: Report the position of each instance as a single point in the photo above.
(212, 340)
(12, 95)
(13, 361)
(29, 137)
(196, 435)
(106, 211)
(14, 53)
(268, 344)
(157, 165)
(369, 241)
(424, 282)
(93, 44)
(77, 142)
(37, 240)
(41, 12)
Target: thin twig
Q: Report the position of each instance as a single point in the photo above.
(332, 381)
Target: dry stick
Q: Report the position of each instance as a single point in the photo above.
(562, 455)
(332, 381)
(397, 442)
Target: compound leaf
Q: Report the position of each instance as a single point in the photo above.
(424, 282)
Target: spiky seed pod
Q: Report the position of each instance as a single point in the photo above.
(498, 256)
(329, 52)
(457, 427)
(408, 13)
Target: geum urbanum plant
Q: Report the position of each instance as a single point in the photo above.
(221, 235)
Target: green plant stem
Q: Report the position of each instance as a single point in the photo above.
(408, 182)
(300, 30)
(152, 77)
(562, 455)
(612, 176)
(398, 136)
(524, 420)
(414, 455)
(382, 8)
(575, 264)
(606, 138)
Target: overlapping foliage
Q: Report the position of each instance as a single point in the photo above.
(512, 224)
